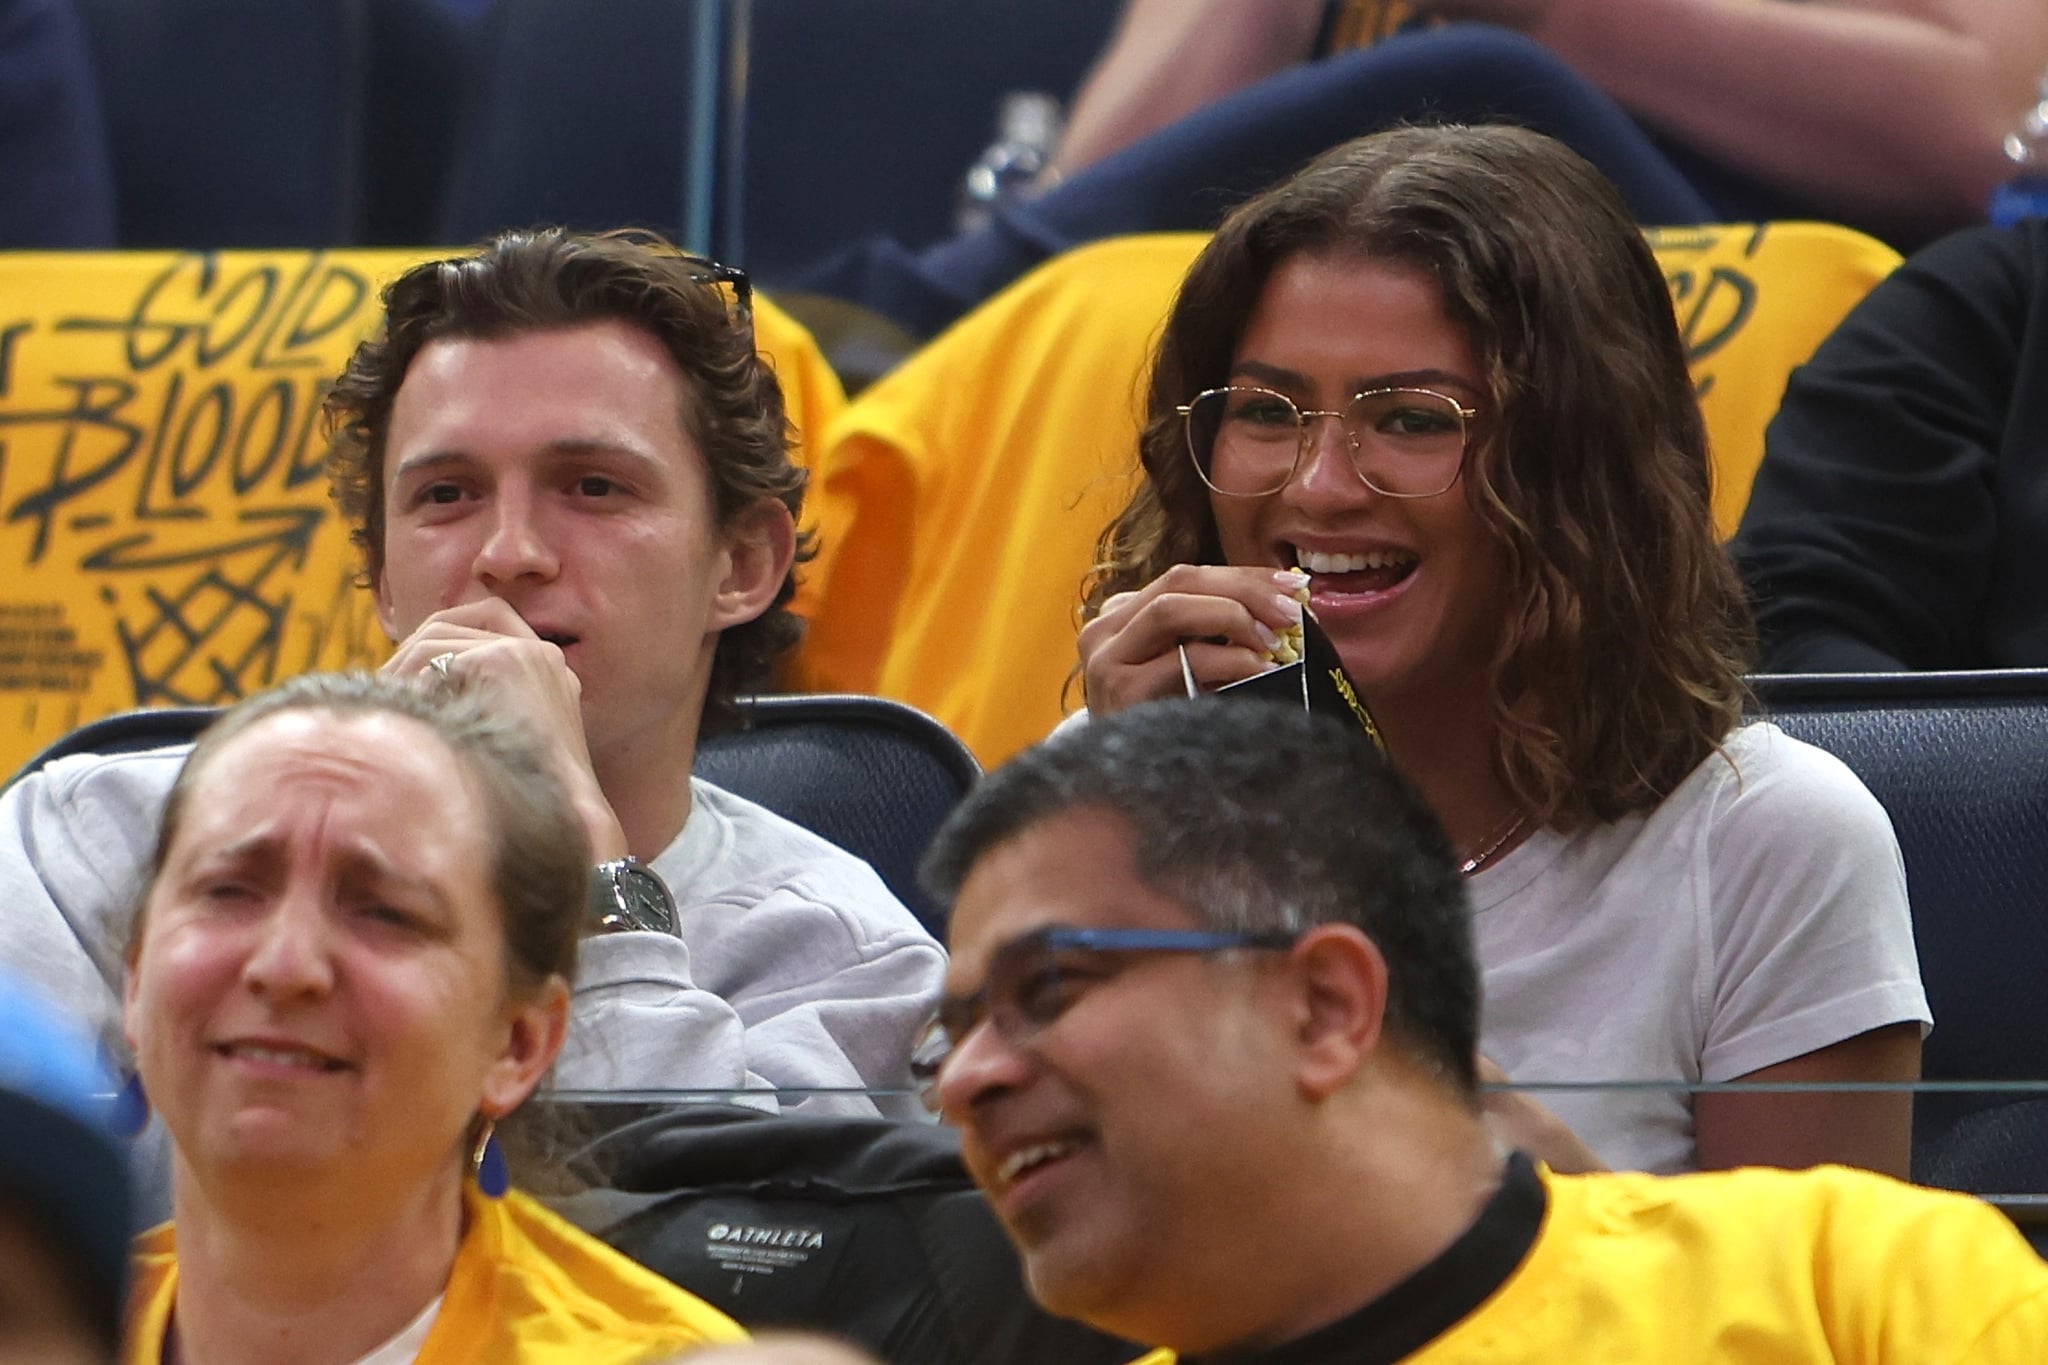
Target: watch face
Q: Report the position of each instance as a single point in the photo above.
(645, 900)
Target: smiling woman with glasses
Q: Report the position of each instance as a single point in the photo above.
(1434, 385)
(1247, 442)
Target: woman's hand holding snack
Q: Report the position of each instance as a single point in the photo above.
(1233, 621)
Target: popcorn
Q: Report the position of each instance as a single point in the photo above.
(1288, 651)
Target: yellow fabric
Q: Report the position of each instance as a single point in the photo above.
(1763, 1267)
(963, 494)
(165, 530)
(526, 1289)
(1753, 302)
(1361, 23)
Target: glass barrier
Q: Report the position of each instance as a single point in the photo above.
(1988, 1138)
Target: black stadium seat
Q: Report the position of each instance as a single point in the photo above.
(862, 119)
(1960, 762)
(874, 776)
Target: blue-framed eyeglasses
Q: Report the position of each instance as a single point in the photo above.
(1033, 979)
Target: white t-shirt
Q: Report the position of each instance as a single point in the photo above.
(1758, 913)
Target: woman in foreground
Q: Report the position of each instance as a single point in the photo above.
(1436, 379)
(350, 966)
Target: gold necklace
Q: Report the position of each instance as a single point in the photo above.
(1507, 832)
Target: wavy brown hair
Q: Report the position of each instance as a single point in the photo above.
(1619, 667)
(552, 278)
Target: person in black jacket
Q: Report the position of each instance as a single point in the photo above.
(1899, 520)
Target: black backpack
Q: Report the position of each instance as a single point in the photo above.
(867, 1229)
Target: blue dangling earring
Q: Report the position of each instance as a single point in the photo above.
(131, 1108)
(487, 1163)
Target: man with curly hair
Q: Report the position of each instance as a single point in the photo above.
(568, 471)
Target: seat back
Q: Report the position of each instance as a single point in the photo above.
(840, 122)
(1960, 763)
(873, 776)
(1754, 301)
(419, 61)
(125, 732)
(961, 496)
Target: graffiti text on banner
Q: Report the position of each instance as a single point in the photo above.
(1752, 301)
(164, 518)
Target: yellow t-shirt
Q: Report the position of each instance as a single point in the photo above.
(1764, 1267)
(1361, 23)
(527, 1289)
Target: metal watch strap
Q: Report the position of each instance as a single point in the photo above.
(627, 894)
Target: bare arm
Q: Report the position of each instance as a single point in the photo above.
(1870, 1130)
(1221, 617)
(1874, 1131)
(1520, 1120)
(1892, 110)
(1171, 57)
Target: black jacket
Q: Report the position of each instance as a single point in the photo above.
(1900, 518)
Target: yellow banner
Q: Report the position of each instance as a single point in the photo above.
(165, 529)
(1753, 301)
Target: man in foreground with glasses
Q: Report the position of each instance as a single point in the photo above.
(1208, 1036)
(569, 473)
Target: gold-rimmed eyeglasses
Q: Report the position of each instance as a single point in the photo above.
(1247, 442)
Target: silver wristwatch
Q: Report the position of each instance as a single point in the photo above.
(628, 894)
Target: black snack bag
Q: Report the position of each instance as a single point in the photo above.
(1318, 683)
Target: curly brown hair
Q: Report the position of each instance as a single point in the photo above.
(552, 278)
(1620, 665)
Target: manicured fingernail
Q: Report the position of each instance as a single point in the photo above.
(1267, 637)
(1289, 608)
(1291, 579)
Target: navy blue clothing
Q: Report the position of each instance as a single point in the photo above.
(1899, 520)
(56, 175)
(1184, 177)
